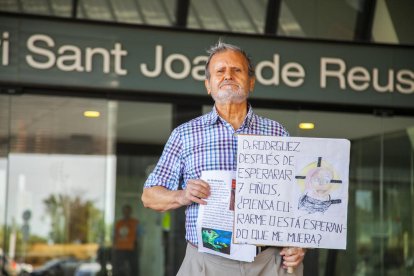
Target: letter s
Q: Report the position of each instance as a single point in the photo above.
(37, 50)
(408, 82)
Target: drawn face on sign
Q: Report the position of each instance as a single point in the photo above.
(318, 183)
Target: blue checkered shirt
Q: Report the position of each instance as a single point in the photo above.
(202, 144)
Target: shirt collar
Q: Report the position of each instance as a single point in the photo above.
(213, 117)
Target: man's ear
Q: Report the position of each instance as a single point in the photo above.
(207, 85)
(251, 84)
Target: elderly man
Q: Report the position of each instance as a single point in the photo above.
(207, 143)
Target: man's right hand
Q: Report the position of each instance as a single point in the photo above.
(161, 199)
(195, 191)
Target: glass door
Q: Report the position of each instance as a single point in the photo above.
(58, 195)
(71, 173)
(4, 149)
(141, 131)
(380, 233)
(382, 192)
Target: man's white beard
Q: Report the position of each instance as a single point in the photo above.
(227, 96)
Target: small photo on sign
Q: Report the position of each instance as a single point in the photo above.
(232, 195)
(217, 240)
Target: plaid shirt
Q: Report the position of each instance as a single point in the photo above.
(202, 144)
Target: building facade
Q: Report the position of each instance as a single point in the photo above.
(86, 108)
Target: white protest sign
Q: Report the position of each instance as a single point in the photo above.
(291, 191)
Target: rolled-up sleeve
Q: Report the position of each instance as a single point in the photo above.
(168, 171)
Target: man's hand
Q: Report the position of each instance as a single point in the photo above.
(161, 199)
(292, 256)
(195, 191)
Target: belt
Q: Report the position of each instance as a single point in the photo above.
(259, 249)
(193, 245)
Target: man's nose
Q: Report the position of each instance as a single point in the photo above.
(228, 75)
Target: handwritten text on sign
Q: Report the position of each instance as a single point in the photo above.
(291, 191)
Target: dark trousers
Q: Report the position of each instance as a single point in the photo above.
(125, 263)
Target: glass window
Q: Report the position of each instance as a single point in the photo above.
(150, 12)
(4, 149)
(391, 22)
(72, 206)
(57, 186)
(381, 225)
(142, 129)
(231, 15)
(318, 19)
(380, 210)
(61, 8)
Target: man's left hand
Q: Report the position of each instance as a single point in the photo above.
(292, 256)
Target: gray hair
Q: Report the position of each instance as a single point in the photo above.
(220, 47)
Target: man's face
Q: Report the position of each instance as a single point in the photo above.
(320, 183)
(229, 78)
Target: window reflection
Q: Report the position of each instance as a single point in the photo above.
(63, 194)
(126, 243)
(57, 185)
(142, 130)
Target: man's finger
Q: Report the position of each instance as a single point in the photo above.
(290, 264)
(198, 182)
(292, 258)
(198, 189)
(198, 200)
(200, 194)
